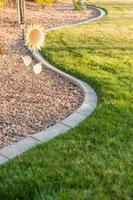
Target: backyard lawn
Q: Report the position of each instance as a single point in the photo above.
(95, 159)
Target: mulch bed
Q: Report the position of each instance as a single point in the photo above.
(30, 103)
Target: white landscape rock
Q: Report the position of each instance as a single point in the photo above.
(27, 60)
(37, 68)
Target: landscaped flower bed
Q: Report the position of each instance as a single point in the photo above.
(30, 103)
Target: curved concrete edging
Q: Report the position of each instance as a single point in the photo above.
(88, 105)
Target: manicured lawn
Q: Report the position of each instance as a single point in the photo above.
(94, 160)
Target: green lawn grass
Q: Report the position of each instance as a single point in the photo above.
(94, 160)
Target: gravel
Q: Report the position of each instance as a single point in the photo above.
(30, 103)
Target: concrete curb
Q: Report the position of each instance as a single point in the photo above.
(88, 105)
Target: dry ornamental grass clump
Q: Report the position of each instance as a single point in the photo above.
(35, 36)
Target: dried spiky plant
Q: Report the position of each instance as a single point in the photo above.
(35, 36)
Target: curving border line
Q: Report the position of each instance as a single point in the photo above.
(88, 105)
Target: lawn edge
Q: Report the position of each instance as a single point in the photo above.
(86, 108)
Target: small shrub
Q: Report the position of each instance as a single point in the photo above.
(2, 3)
(45, 1)
(5, 3)
(2, 50)
(79, 5)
